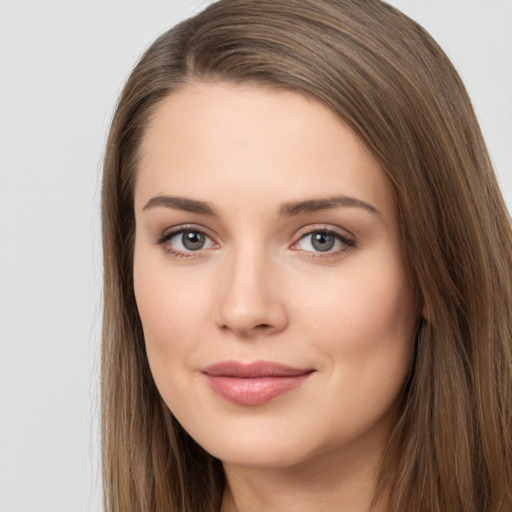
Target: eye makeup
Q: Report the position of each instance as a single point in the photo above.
(192, 241)
(186, 241)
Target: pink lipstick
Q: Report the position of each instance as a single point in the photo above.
(255, 383)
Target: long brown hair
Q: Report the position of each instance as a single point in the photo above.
(384, 76)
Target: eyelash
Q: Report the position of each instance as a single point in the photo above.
(346, 242)
(166, 237)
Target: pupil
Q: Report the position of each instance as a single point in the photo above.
(323, 242)
(192, 240)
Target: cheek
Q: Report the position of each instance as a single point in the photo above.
(382, 312)
(363, 304)
(363, 321)
(172, 311)
(366, 333)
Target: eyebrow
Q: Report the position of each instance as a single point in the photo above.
(315, 205)
(180, 203)
(286, 210)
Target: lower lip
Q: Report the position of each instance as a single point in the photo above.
(254, 390)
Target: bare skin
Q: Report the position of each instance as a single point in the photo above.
(267, 234)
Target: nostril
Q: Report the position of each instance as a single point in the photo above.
(262, 327)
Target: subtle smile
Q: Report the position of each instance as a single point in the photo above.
(255, 383)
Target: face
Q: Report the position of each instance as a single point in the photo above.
(277, 315)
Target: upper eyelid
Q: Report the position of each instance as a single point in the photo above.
(344, 237)
(180, 228)
(325, 228)
(168, 233)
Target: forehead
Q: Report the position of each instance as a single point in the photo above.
(253, 142)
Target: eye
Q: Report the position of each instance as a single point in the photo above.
(324, 241)
(186, 241)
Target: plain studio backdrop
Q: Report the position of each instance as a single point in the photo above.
(62, 66)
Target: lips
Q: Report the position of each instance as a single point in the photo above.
(255, 383)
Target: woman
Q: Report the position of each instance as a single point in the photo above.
(307, 272)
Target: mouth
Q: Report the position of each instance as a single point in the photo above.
(255, 383)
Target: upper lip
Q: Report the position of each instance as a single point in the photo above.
(254, 370)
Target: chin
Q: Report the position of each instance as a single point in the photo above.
(257, 441)
(262, 455)
(268, 446)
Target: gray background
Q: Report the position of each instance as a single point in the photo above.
(62, 65)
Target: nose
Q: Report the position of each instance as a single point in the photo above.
(250, 302)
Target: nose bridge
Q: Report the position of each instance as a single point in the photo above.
(248, 298)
